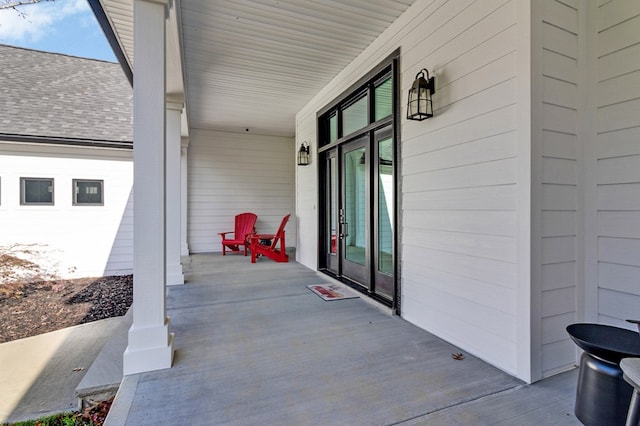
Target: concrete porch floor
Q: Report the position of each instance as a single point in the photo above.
(254, 346)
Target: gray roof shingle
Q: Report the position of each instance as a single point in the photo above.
(63, 97)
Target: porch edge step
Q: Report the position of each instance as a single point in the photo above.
(103, 378)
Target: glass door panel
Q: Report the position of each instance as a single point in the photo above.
(354, 215)
(384, 237)
(354, 209)
(331, 231)
(385, 205)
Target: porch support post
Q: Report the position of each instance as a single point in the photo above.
(184, 167)
(173, 202)
(150, 345)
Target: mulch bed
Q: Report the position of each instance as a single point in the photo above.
(29, 309)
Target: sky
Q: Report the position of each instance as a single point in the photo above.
(62, 26)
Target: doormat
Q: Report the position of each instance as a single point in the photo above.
(331, 292)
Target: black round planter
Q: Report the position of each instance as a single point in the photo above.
(602, 396)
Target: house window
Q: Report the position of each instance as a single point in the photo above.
(370, 106)
(355, 116)
(36, 191)
(88, 192)
(384, 98)
(333, 127)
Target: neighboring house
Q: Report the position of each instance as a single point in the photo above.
(511, 213)
(66, 164)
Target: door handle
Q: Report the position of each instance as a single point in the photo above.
(344, 229)
(344, 226)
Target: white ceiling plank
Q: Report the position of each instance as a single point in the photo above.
(255, 63)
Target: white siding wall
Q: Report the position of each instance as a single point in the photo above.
(121, 255)
(615, 165)
(307, 193)
(587, 217)
(557, 158)
(460, 177)
(231, 173)
(82, 240)
(460, 236)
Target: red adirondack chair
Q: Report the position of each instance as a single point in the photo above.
(245, 226)
(275, 250)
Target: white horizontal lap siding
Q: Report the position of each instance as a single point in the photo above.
(558, 155)
(307, 196)
(459, 236)
(231, 173)
(120, 260)
(617, 152)
(80, 240)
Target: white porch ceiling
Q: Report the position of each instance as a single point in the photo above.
(252, 64)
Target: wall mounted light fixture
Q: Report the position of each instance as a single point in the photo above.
(303, 154)
(419, 105)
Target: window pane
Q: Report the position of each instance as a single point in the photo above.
(87, 191)
(384, 99)
(355, 116)
(37, 191)
(333, 128)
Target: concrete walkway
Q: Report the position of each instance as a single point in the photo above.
(255, 347)
(39, 374)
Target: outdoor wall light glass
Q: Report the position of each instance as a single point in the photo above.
(303, 154)
(419, 105)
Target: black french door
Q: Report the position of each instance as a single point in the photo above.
(354, 214)
(359, 210)
(358, 185)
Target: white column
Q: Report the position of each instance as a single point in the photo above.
(173, 202)
(184, 167)
(150, 343)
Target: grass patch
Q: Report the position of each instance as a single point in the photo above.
(92, 416)
(62, 419)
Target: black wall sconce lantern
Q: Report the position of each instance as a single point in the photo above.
(419, 105)
(303, 154)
